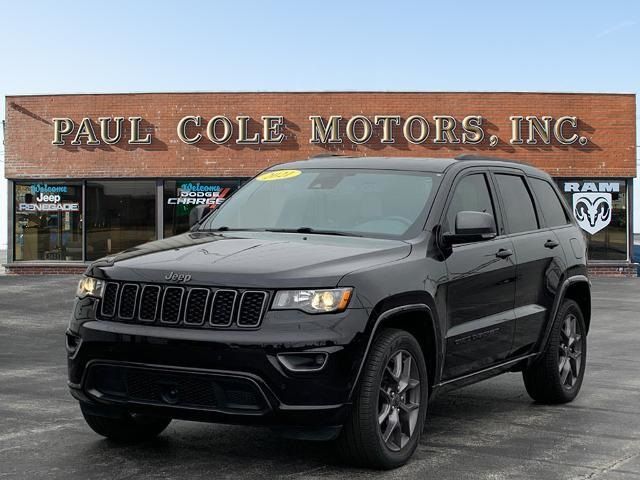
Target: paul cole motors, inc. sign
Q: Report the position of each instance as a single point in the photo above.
(334, 129)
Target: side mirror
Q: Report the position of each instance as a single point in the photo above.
(196, 214)
(471, 227)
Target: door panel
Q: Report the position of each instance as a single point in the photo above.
(480, 301)
(538, 274)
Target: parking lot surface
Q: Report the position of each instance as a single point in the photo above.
(491, 430)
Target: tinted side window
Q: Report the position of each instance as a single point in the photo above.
(518, 206)
(470, 195)
(552, 209)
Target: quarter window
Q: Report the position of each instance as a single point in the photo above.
(552, 210)
(471, 195)
(518, 205)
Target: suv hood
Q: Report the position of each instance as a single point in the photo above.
(250, 259)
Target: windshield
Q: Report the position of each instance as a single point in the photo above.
(377, 203)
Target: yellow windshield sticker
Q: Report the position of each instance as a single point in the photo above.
(278, 175)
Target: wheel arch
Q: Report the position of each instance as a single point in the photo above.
(580, 293)
(576, 288)
(416, 316)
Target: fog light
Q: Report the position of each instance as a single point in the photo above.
(303, 362)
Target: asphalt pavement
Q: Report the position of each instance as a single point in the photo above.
(490, 430)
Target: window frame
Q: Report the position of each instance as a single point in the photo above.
(568, 215)
(516, 173)
(493, 194)
(12, 185)
(629, 192)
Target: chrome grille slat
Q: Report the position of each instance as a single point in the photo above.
(109, 301)
(195, 308)
(251, 309)
(128, 300)
(223, 307)
(149, 301)
(171, 305)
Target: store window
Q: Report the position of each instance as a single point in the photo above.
(600, 209)
(48, 221)
(183, 199)
(120, 214)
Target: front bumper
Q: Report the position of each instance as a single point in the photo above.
(168, 356)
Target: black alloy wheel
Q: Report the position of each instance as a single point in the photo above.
(389, 405)
(556, 377)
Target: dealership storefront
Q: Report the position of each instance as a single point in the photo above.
(91, 175)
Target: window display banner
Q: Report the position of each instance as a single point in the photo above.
(47, 198)
(592, 203)
(197, 194)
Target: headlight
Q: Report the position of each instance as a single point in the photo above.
(313, 301)
(89, 287)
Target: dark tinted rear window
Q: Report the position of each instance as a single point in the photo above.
(518, 205)
(552, 210)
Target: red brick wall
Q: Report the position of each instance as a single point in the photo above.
(607, 121)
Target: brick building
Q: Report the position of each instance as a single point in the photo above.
(91, 175)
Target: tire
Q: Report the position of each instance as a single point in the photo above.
(557, 375)
(130, 428)
(393, 387)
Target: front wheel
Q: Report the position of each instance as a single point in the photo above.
(557, 375)
(390, 405)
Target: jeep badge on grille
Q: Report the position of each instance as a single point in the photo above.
(177, 277)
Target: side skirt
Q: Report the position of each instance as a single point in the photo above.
(475, 377)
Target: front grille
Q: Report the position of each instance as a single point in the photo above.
(223, 306)
(109, 300)
(183, 306)
(196, 306)
(128, 298)
(171, 304)
(155, 387)
(251, 308)
(149, 303)
(168, 387)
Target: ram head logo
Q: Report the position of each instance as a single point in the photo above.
(592, 210)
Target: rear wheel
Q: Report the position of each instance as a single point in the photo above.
(390, 404)
(129, 428)
(557, 376)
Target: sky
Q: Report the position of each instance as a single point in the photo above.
(159, 46)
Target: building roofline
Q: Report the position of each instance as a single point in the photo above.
(302, 92)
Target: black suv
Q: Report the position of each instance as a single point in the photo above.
(331, 298)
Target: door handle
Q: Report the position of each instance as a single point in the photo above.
(551, 244)
(504, 253)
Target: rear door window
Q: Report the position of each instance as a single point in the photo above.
(518, 205)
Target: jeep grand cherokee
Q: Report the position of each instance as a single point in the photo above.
(332, 298)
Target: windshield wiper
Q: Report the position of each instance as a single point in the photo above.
(312, 231)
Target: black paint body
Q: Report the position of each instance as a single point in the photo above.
(478, 314)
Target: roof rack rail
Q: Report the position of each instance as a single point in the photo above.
(321, 155)
(471, 156)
